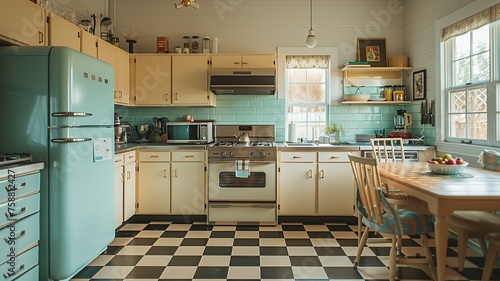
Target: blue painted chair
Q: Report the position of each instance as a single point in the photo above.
(378, 215)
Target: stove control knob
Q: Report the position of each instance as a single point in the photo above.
(232, 154)
(253, 153)
(223, 154)
(262, 154)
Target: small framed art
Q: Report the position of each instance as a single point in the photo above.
(372, 50)
(419, 85)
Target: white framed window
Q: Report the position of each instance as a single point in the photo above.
(471, 79)
(307, 81)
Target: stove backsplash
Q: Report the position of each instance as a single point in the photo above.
(269, 110)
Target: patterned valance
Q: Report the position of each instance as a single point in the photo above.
(475, 21)
(319, 61)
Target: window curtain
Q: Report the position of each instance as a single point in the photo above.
(307, 61)
(475, 21)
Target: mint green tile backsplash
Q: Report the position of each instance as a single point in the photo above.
(248, 109)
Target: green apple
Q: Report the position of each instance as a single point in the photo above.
(438, 159)
(447, 156)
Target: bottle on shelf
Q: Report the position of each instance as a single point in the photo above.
(388, 92)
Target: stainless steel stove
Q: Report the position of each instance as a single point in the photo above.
(17, 163)
(242, 176)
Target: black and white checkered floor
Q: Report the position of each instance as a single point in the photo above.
(289, 251)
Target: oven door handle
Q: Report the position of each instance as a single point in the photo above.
(232, 162)
(262, 206)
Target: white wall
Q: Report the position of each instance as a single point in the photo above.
(263, 25)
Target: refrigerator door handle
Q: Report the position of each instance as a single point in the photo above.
(71, 114)
(67, 140)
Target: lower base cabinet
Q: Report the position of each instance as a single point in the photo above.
(316, 183)
(124, 187)
(172, 182)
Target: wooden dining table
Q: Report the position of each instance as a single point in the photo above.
(473, 189)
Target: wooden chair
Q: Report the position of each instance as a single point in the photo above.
(475, 225)
(378, 215)
(491, 256)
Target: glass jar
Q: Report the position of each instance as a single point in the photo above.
(186, 41)
(195, 44)
(206, 45)
(388, 92)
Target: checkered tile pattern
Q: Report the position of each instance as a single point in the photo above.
(289, 251)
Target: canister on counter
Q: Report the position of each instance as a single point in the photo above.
(206, 45)
(186, 41)
(162, 44)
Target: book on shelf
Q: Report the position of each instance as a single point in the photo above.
(356, 64)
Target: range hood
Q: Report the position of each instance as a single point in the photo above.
(242, 82)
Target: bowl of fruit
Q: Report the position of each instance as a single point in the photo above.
(447, 165)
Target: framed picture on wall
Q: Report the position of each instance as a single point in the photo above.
(419, 85)
(372, 50)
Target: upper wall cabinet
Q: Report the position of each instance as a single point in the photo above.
(63, 33)
(119, 59)
(190, 81)
(88, 44)
(151, 79)
(22, 23)
(244, 61)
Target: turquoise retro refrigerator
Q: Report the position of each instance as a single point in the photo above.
(57, 104)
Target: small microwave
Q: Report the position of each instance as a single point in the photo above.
(190, 132)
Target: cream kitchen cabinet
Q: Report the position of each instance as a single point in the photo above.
(151, 79)
(88, 44)
(129, 198)
(22, 23)
(188, 182)
(316, 183)
(263, 61)
(336, 187)
(190, 81)
(297, 183)
(153, 178)
(119, 163)
(119, 60)
(63, 33)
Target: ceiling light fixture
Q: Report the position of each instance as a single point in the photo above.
(187, 3)
(311, 39)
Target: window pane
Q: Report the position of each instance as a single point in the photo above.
(296, 75)
(462, 71)
(457, 125)
(296, 93)
(477, 100)
(316, 92)
(317, 113)
(477, 126)
(481, 67)
(297, 114)
(462, 46)
(457, 101)
(481, 39)
(315, 76)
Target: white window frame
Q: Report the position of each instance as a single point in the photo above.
(471, 150)
(333, 91)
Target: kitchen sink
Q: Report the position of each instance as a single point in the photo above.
(301, 144)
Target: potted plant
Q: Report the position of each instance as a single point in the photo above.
(334, 131)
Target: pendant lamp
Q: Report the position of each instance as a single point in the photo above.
(311, 39)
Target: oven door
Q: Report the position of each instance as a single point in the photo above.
(260, 186)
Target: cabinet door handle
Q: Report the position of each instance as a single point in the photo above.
(175, 173)
(237, 62)
(176, 94)
(40, 37)
(121, 94)
(189, 156)
(154, 156)
(244, 62)
(322, 174)
(334, 157)
(14, 188)
(310, 173)
(17, 235)
(12, 214)
(165, 173)
(128, 175)
(14, 272)
(123, 177)
(166, 97)
(297, 157)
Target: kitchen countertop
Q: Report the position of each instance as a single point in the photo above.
(281, 147)
(120, 148)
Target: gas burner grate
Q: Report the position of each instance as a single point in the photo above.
(12, 158)
(226, 143)
(262, 144)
